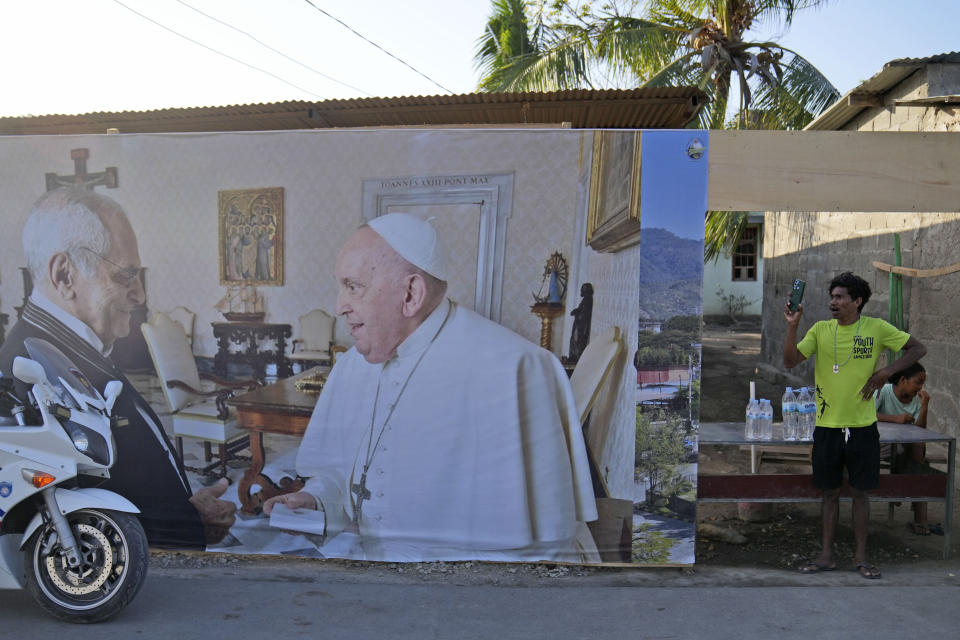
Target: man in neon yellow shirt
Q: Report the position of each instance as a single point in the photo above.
(846, 438)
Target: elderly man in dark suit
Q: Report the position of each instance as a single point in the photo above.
(82, 254)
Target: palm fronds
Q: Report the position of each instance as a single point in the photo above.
(698, 43)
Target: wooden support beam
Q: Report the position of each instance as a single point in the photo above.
(833, 171)
(863, 99)
(799, 488)
(916, 273)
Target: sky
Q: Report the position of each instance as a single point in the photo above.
(69, 56)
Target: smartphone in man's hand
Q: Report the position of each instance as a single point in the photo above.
(796, 294)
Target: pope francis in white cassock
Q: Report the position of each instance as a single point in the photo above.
(450, 439)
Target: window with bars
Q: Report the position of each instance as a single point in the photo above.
(746, 255)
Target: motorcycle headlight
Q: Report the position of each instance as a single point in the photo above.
(88, 442)
(80, 440)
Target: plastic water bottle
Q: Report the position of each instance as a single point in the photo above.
(753, 416)
(808, 413)
(766, 420)
(801, 411)
(791, 415)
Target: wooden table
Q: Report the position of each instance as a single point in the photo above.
(932, 487)
(277, 408)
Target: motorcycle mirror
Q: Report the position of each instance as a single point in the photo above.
(30, 371)
(111, 393)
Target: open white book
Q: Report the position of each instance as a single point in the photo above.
(306, 520)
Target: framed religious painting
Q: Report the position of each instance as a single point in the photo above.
(250, 230)
(613, 220)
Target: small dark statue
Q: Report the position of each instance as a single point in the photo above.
(580, 335)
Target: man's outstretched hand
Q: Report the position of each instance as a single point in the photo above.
(298, 500)
(217, 515)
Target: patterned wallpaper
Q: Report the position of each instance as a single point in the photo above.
(616, 292)
(168, 185)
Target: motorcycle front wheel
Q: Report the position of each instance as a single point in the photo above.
(113, 566)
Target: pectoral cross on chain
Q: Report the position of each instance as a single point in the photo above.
(362, 493)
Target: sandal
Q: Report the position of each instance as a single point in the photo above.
(868, 571)
(815, 567)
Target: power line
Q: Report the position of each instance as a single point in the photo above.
(220, 53)
(278, 52)
(310, 2)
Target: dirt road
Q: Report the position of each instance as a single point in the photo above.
(730, 358)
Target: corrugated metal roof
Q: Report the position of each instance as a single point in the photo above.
(940, 58)
(646, 108)
(892, 74)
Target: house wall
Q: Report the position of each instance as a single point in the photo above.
(818, 246)
(934, 80)
(718, 275)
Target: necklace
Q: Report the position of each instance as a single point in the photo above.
(358, 490)
(836, 329)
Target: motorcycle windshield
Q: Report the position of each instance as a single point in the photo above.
(60, 370)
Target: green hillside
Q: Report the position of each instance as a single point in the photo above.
(671, 275)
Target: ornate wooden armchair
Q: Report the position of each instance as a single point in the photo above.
(197, 413)
(315, 343)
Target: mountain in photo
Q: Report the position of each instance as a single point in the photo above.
(671, 274)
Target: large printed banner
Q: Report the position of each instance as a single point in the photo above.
(449, 426)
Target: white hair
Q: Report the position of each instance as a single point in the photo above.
(66, 220)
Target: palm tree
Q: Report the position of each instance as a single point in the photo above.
(702, 43)
(673, 43)
(507, 37)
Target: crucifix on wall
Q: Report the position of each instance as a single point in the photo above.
(80, 177)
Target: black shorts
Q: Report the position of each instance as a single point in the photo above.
(860, 455)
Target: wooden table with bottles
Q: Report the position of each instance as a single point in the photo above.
(757, 487)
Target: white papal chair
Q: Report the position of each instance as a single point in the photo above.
(612, 530)
(185, 318)
(592, 369)
(315, 343)
(198, 414)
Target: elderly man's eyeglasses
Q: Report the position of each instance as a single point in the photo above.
(125, 276)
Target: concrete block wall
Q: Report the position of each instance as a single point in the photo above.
(931, 305)
(935, 80)
(817, 246)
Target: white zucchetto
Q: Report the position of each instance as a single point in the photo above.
(414, 239)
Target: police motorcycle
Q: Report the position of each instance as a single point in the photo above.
(80, 551)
